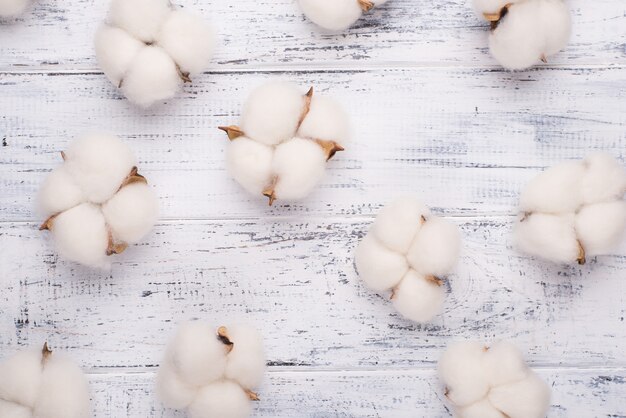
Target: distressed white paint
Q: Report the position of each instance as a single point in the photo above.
(432, 116)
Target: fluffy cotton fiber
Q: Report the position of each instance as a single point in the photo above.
(525, 32)
(336, 15)
(42, 384)
(12, 8)
(406, 251)
(148, 49)
(573, 210)
(96, 203)
(492, 382)
(284, 140)
(210, 372)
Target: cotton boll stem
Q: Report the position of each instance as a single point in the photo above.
(232, 131)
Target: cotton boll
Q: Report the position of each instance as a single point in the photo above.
(555, 190)
(397, 223)
(58, 192)
(481, 409)
(99, 164)
(332, 14)
(221, 400)
(436, 247)
(81, 235)
(141, 18)
(250, 163)
(556, 23)
(418, 298)
(115, 51)
(490, 6)
(65, 392)
(528, 398)
(152, 77)
(379, 267)
(132, 212)
(461, 369)
(245, 364)
(299, 165)
(21, 377)
(188, 40)
(198, 355)
(14, 410)
(173, 392)
(272, 112)
(548, 236)
(604, 179)
(12, 8)
(600, 227)
(504, 363)
(326, 120)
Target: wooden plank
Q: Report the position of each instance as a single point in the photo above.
(393, 393)
(466, 140)
(263, 33)
(295, 280)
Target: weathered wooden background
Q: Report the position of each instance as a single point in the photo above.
(433, 116)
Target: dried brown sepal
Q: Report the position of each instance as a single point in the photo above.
(422, 219)
(119, 85)
(496, 18)
(115, 248)
(525, 216)
(47, 224)
(446, 392)
(307, 106)
(393, 294)
(63, 155)
(435, 280)
(330, 148)
(581, 254)
(222, 335)
(232, 131)
(253, 396)
(133, 177)
(184, 75)
(270, 191)
(543, 58)
(45, 353)
(366, 5)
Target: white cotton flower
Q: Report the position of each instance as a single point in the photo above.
(405, 251)
(12, 8)
(42, 384)
(525, 32)
(148, 49)
(96, 203)
(492, 382)
(336, 15)
(211, 372)
(573, 210)
(285, 138)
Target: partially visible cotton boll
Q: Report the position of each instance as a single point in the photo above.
(12, 8)
(115, 50)
(600, 227)
(152, 77)
(418, 298)
(21, 377)
(221, 400)
(333, 15)
(272, 112)
(555, 190)
(556, 22)
(141, 18)
(98, 164)
(504, 363)
(132, 212)
(436, 247)
(397, 223)
(527, 398)
(548, 236)
(188, 39)
(379, 267)
(250, 163)
(65, 392)
(81, 235)
(604, 179)
(326, 119)
(58, 192)
(171, 389)
(461, 370)
(246, 362)
(299, 165)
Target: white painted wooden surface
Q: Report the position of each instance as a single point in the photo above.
(432, 116)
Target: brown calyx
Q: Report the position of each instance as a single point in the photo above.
(307, 106)
(366, 5)
(496, 18)
(232, 131)
(330, 148)
(47, 224)
(270, 191)
(45, 353)
(184, 75)
(581, 259)
(253, 396)
(434, 279)
(113, 247)
(222, 335)
(133, 177)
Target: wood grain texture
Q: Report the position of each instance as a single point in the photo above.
(274, 33)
